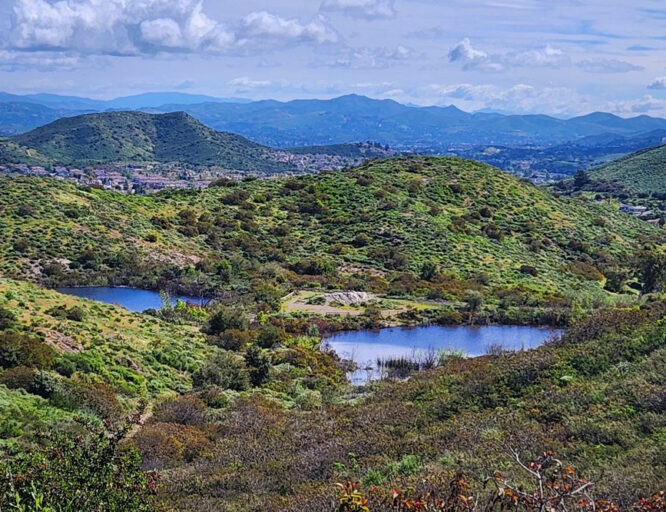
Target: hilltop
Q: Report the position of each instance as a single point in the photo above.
(138, 137)
(438, 227)
(641, 172)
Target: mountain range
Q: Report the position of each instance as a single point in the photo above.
(345, 119)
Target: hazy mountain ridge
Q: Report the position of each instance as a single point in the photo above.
(353, 118)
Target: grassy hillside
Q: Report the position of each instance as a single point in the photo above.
(642, 172)
(135, 137)
(595, 399)
(221, 440)
(236, 407)
(436, 227)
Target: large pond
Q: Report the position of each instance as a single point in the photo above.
(374, 351)
(134, 299)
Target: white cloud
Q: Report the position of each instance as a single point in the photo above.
(266, 25)
(658, 84)
(646, 105)
(465, 52)
(520, 98)
(369, 58)
(473, 58)
(369, 9)
(41, 61)
(139, 27)
(246, 83)
(608, 66)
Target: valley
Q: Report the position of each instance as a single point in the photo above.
(259, 324)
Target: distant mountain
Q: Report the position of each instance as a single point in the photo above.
(41, 109)
(353, 118)
(19, 117)
(156, 99)
(568, 158)
(641, 172)
(115, 137)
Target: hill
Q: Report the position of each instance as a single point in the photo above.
(376, 227)
(642, 172)
(236, 406)
(134, 137)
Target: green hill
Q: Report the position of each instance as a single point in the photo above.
(238, 408)
(435, 227)
(642, 172)
(118, 137)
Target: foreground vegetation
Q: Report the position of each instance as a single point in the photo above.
(250, 417)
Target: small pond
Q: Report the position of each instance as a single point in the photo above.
(423, 344)
(134, 299)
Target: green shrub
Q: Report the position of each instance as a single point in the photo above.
(224, 370)
(22, 350)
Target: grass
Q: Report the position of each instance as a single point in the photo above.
(374, 228)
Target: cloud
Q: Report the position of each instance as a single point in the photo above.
(148, 27)
(464, 52)
(270, 26)
(246, 83)
(473, 58)
(659, 84)
(608, 66)
(369, 9)
(370, 58)
(520, 98)
(639, 106)
(41, 61)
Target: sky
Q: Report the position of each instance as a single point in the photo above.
(557, 57)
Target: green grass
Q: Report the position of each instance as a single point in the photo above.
(135, 137)
(371, 228)
(642, 172)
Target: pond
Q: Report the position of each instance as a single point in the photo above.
(134, 299)
(372, 350)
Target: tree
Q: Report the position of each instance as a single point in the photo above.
(428, 271)
(258, 365)
(227, 318)
(651, 268)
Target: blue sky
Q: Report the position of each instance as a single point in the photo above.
(561, 57)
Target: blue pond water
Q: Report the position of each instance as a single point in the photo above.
(134, 299)
(366, 347)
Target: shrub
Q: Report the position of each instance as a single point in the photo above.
(258, 365)
(224, 370)
(21, 350)
(20, 377)
(270, 336)
(184, 410)
(7, 319)
(227, 318)
(81, 471)
(234, 339)
(529, 270)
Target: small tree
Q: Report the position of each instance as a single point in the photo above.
(258, 365)
(650, 265)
